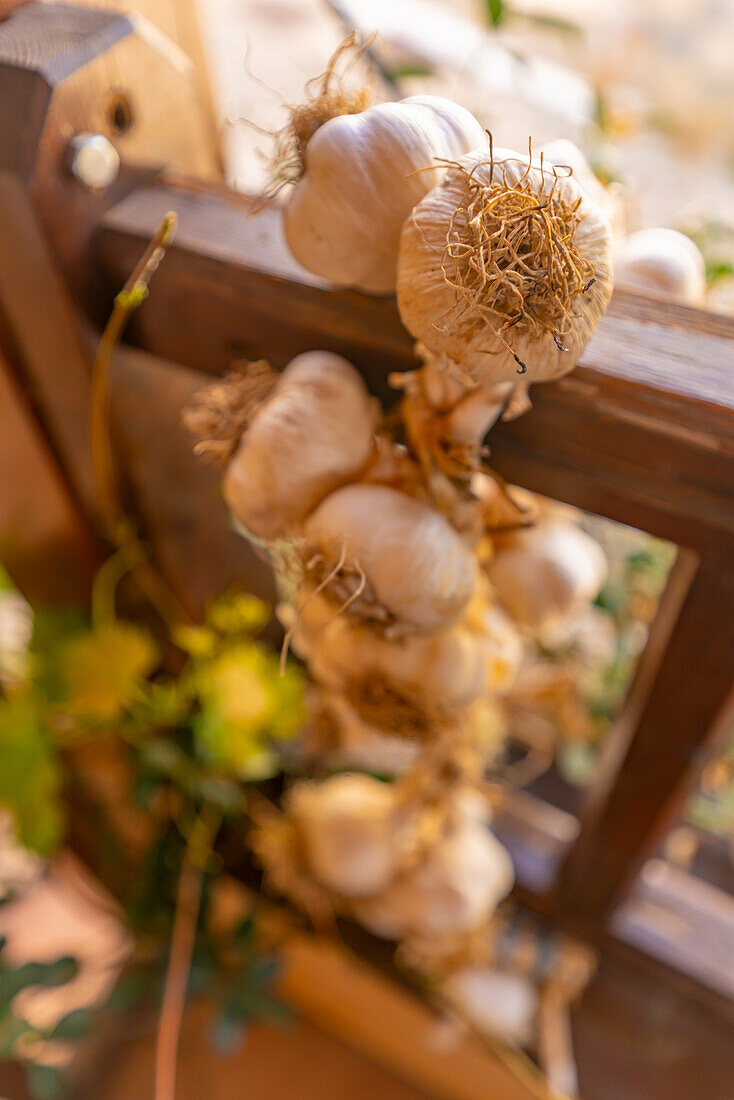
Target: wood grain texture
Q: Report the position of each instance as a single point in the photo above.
(681, 697)
(46, 544)
(66, 70)
(174, 494)
(298, 1062)
(385, 1023)
(44, 336)
(54, 40)
(642, 431)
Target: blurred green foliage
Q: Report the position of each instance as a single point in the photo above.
(192, 722)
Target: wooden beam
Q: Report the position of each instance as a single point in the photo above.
(642, 431)
(46, 544)
(374, 1016)
(680, 698)
(176, 495)
(41, 331)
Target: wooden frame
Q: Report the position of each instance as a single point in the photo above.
(641, 432)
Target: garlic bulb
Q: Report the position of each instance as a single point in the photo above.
(662, 260)
(609, 199)
(312, 433)
(497, 1002)
(505, 268)
(456, 887)
(362, 746)
(348, 832)
(450, 668)
(363, 174)
(398, 562)
(545, 573)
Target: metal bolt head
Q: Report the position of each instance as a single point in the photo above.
(93, 160)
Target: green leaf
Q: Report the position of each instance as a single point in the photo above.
(716, 270)
(52, 628)
(410, 69)
(14, 980)
(228, 1034)
(129, 992)
(72, 1026)
(549, 22)
(30, 772)
(166, 704)
(12, 1031)
(45, 1082)
(245, 930)
(496, 11)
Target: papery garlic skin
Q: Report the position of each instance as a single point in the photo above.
(431, 311)
(450, 668)
(418, 569)
(348, 832)
(546, 573)
(664, 261)
(363, 175)
(456, 887)
(312, 434)
(367, 748)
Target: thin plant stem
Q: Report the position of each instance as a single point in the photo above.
(183, 938)
(116, 526)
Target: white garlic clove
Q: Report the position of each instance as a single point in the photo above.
(312, 434)
(348, 830)
(409, 567)
(449, 668)
(444, 301)
(496, 1002)
(363, 175)
(455, 889)
(546, 573)
(664, 261)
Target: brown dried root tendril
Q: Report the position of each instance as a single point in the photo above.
(345, 585)
(327, 98)
(510, 254)
(218, 415)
